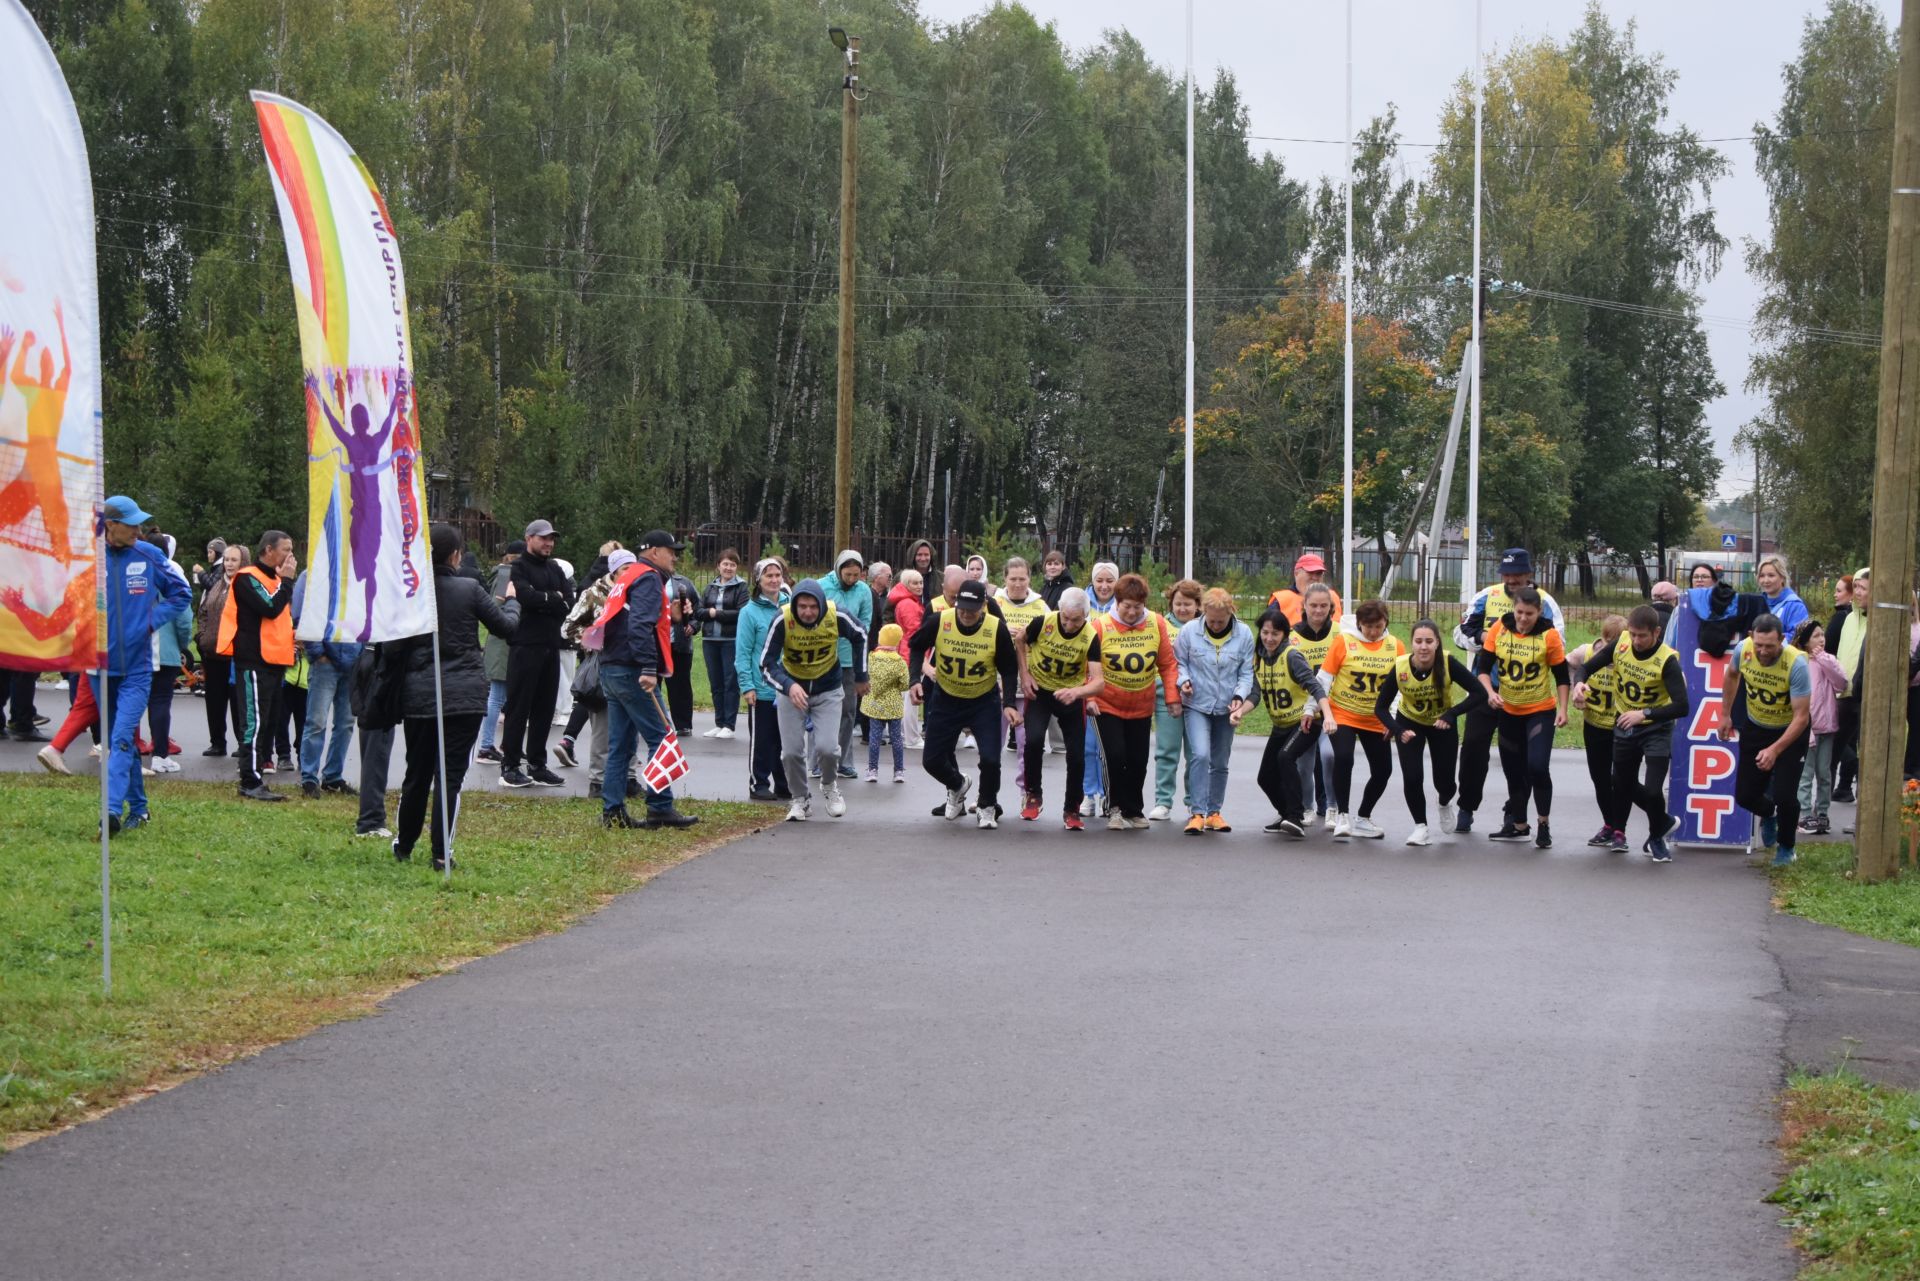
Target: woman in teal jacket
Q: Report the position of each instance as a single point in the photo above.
(768, 782)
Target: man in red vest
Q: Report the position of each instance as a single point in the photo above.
(636, 657)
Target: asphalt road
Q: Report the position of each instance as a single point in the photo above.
(892, 1047)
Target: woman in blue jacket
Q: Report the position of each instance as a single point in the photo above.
(1215, 655)
(768, 782)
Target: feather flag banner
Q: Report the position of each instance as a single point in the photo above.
(369, 575)
(50, 479)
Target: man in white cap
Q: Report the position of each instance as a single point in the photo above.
(850, 598)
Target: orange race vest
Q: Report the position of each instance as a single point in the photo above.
(276, 634)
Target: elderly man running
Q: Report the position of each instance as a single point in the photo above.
(975, 686)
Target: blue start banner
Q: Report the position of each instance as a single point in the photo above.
(1700, 783)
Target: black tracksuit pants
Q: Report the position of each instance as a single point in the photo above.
(1476, 756)
(533, 690)
(1773, 793)
(1445, 746)
(1042, 709)
(947, 717)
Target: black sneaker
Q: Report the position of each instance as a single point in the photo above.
(491, 755)
(30, 735)
(310, 790)
(400, 855)
(1657, 851)
(1844, 795)
(1463, 822)
(563, 752)
(339, 787)
(762, 794)
(670, 818)
(217, 750)
(1602, 838)
(618, 817)
(1542, 839)
(261, 793)
(1617, 841)
(442, 864)
(594, 791)
(546, 777)
(514, 778)
(1511, 831)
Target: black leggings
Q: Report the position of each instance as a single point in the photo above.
(1042, 708)
(1773, 793)
(1476, 754)
(1379, 767)
(1599, 742)
(1280, 775)
(424, 763)
(1846, 747)
(1128, 743)
(1526, 757)
(764, 770)
(1445, 745)
(1629, 749)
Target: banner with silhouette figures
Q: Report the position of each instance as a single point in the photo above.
(369, 576)
(50, 482)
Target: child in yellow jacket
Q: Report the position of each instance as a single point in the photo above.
(884, 703)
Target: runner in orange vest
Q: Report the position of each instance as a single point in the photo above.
(1307, 571)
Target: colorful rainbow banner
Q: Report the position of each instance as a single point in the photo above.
(369, 574)
(50, 483)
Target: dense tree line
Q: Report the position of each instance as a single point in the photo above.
(620, 223)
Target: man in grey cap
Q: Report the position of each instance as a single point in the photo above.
(545, 594)
(850, 598)
(976, 686)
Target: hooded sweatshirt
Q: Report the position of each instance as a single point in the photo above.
(930, 576)
(852, 636)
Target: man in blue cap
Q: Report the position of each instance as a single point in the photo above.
(1476, 739)
(142, 593)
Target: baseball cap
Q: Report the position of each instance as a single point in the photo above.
(540, 529)
(125, 510)
(848, 555)
(972, 595)
(518, 547)
(1311, 562)
(660, 538)
(1515, 560)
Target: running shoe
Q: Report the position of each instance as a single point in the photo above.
(1770, 831)
(1617, 841)
(165, 765)
(836, 803)
(1446, 816)
(1217, 822)
(1367, 828)
(987, 816)
(1342, 825)
(1463, 823)
(1542, 839)
(1511, 831)
(1602, 838)
(1783, 856)
(1160, 813)
(957, 798)
(1419, 835)
(51, 761)
(1073, 822)
(723, 732)
(563, 752)
(1086, 807)
(514, 778)
(1030, 809)
(1657, 850)
(488, 756)
(1118, 823)
(546, 777)
(710, 733)
(797, 812)
(1196, 826)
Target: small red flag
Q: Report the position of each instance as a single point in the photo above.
(665, 765)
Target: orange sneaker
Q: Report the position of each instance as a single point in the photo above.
(1217, 823)
(1195, 826)
(1073, 823)
(1031, 809)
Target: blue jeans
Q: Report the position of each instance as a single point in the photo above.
(633, 714)
(125, 790)
(329, 694)
(1094, 786)
(1209, 752)
(496, 704)
(723, 682)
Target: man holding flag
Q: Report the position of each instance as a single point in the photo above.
(634, 636)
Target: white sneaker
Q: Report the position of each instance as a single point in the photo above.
(710, 733)
(957, 798)
(1086, 807)
(1159, 814)
(723, 733)
(989, 816)
(1368, 828)
(967, 744)
(1446, 817)
(836, 803)
(1419, 835)
(1341, 826)
(166, 765)
(1311, 821)
(797, 812)
(378, 833)
(52, 761)
(1115, 823)
(1046, 749)
(94, 751)
(1139, 824)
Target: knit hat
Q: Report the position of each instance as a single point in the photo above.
(619, 559)
(890, 636)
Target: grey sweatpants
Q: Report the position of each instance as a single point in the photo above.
(820, 723)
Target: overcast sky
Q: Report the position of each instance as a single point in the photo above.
(1289, 61)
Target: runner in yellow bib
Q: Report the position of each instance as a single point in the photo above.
(1594, 698)
(1425, 682)
(1523, 652)
(974, 684)
(1649, 694)
(1770, 725)
(1019, 605)
(1355, 671)
(1063, 672)
(1311, 747)
(1284, 681)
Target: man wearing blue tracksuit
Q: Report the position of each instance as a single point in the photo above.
(142, 594)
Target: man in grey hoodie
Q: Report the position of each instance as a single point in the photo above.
(801, 658)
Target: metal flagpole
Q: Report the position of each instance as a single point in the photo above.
(1470, 573)
(1346, 388)
(442, 803)
(1188, 542)
(106, 776)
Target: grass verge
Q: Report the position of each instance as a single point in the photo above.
(239, 926)
(1852, 1196)
(1819, 885)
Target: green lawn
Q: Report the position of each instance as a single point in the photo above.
(1820, 887)
(1852, 1198)
(237, 926)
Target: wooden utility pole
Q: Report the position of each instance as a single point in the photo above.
(1896, 477)
(849, 185)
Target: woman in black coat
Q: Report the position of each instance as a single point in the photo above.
(464, 604)
(719, 619)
